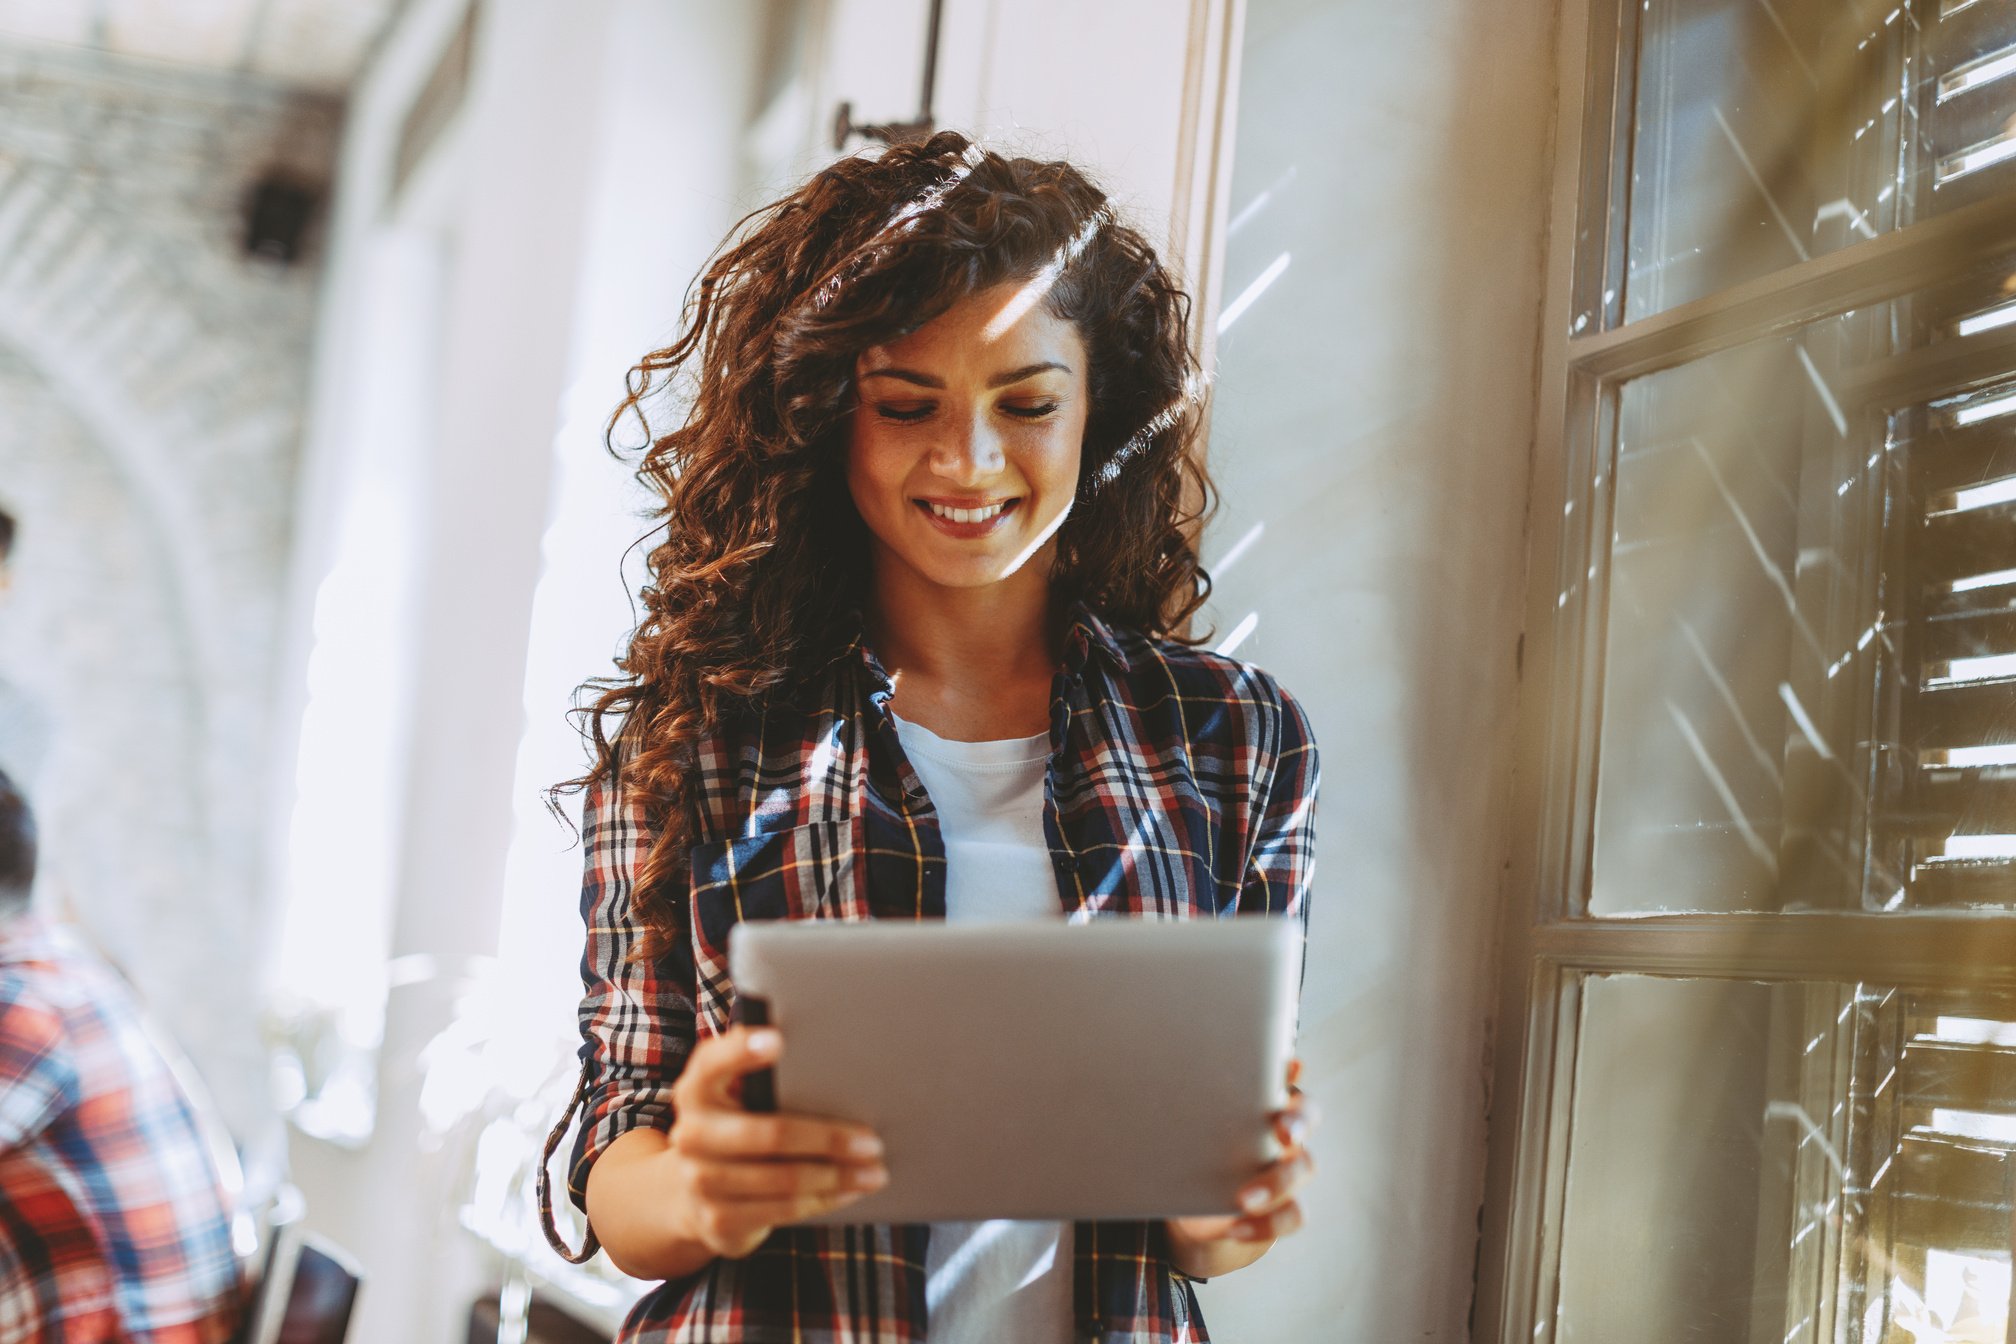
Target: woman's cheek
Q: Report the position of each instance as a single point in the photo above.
(1060, 477)
(872, 479)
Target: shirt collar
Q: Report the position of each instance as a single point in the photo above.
(1089, 633)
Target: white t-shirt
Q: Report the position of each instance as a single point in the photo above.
(993, 1280)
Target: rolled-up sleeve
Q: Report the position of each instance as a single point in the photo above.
(637, 1022)
(1281, 860)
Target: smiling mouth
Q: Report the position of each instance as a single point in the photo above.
(985, 514)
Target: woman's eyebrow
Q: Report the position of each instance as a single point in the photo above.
(998, 380)
(907, 375)
(1026, 371)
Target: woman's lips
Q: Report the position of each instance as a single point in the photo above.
(967, 530)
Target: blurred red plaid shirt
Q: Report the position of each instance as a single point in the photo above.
(1183, 784)
(112, 1217)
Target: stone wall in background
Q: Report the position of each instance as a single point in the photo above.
(152, 393)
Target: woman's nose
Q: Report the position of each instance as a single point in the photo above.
(970, 453)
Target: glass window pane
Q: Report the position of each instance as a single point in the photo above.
(1787, 1164)
(1764, 132)
(1809, 671)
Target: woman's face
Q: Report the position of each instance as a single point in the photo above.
(964, 449)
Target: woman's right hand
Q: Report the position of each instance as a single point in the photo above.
(736, 1175)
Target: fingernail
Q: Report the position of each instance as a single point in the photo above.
(765, 1041)
(864, 1145)
(870, 1178)
(1246, 1232)
(1253, 1198)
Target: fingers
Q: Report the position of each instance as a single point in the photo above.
(784, 1182)
(772, 1213)
(1275, 1187)
(724, 1135)
(1292, 1125)
(1267, 1203)
(742, 1174)
(1268, 1226)
(738, 1204)
(732, 1206)
(720, 1062)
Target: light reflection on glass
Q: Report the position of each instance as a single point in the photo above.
(1809, 634)
(1754, 1163)
(1763, 134)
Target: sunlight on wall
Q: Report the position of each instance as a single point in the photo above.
(328, 994)
(580, 615)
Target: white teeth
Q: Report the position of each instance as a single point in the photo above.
(968, 515)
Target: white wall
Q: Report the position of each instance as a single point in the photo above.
(1374, 415)
(1100, 84)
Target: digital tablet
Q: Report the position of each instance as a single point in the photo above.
(1113, 1069)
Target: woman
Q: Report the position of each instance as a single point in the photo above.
(910, 651)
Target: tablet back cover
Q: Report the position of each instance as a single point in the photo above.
(1110, 1069)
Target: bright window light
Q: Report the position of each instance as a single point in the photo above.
(1973, 1031)
(1983, 496)
(1980, 847)
(1962, 671)
(1992, 579)
(1974, 74)
(1986, 155)
(1969, 758)
(1966, 1298)
(1975, 1125)
(2001, 315)
(1985, 410)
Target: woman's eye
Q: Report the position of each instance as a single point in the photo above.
(1031, 412)
(904, 413)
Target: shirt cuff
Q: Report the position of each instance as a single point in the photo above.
(610, 1114)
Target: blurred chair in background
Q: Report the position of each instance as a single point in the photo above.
(114, 1212)
(307, 1288)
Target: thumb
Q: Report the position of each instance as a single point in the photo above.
(718, 1067)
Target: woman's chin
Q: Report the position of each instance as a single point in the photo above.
(974, 572)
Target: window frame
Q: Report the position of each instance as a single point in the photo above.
(1546, 942)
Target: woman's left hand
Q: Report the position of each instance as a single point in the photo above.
(1208, 1246)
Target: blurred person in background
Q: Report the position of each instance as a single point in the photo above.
(24, 725)
(925, 565)
(113, 1221)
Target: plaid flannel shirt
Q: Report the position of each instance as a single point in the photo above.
(112, 1217)
(1182, 784)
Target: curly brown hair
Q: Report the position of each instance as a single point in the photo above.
(758, 567)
